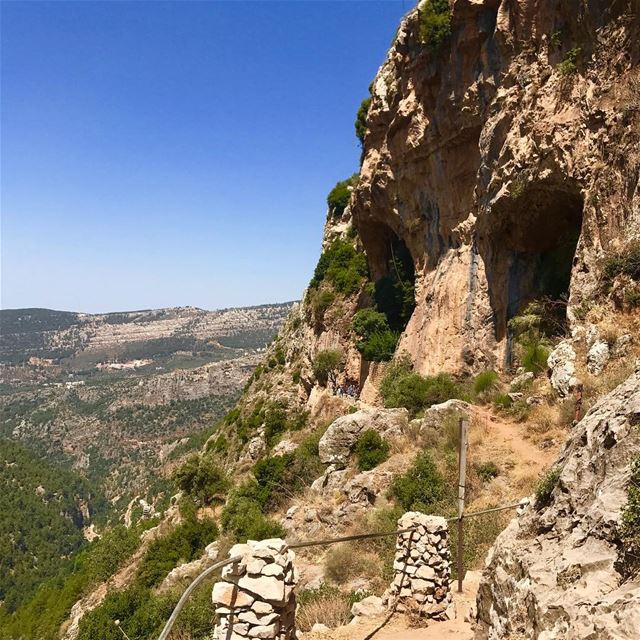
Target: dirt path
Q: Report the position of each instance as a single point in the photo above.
(513, 437)
(399, 628)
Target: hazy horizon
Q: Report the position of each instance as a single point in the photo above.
(176, 154)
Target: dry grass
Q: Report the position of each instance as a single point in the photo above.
(331, 609)
(616, 372)
(546, 423)
(348, 561)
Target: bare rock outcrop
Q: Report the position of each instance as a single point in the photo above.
(338, 441)
(562, 368)
(514, 142)
(555, 572)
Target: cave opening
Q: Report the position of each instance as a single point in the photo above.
(532, 245)
(393, 274)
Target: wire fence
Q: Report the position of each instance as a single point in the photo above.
(306, 544)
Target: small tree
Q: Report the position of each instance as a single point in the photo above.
(201, 478)
(327, 364)
(435, 23)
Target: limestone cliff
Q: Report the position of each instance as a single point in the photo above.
(556, 571)
(506, 163)
(492, 158)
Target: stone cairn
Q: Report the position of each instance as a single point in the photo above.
(422, 568)
(255, 598)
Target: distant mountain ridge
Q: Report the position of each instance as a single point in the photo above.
(113, 394)
(61, 336)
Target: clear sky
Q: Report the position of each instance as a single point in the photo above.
(176, 153)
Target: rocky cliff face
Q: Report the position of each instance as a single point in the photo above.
(556, 571)
(510, 153)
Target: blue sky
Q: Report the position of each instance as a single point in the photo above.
(176, 153)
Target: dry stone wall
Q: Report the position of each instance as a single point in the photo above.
(255, 598)
(422, 567)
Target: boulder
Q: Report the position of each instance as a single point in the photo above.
(367, 486)
(597, 357)
(369, 607)
(562, 367)
(318, 627)
(555, 572)
(622, 345)
(255, 449)
(338, 441)
(437, 413)
(521, 380)
(283, 447)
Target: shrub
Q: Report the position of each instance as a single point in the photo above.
(442, 388)
(279, 477)
(243, 518)
(534, 357)
(342, 266)
(487, 471)
(502, 401)
(219, 445)
(275, 422)
(542, 318)
(435, 23)
(570, 63)
(408, 391)
(377, 343)
(371, 450)
(361, 119)
(545, 488)
(184, 544)
(421, 488)
(200, 477)
(270, 475)
(625, 262)
(632, 297)
(327, 364)
(339, 196)
(379, 347)
(345, 562)
(109, 553)
(630, 527)
(401, 387)
(485, 381)
(369, 321)
(319, 302)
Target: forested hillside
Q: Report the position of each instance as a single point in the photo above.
(45, 509)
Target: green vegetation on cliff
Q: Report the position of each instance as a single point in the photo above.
(435, 22)
(402, 387)
(339, 196)
(342, 266)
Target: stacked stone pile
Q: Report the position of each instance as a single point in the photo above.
(422, 567)
(256, 596)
